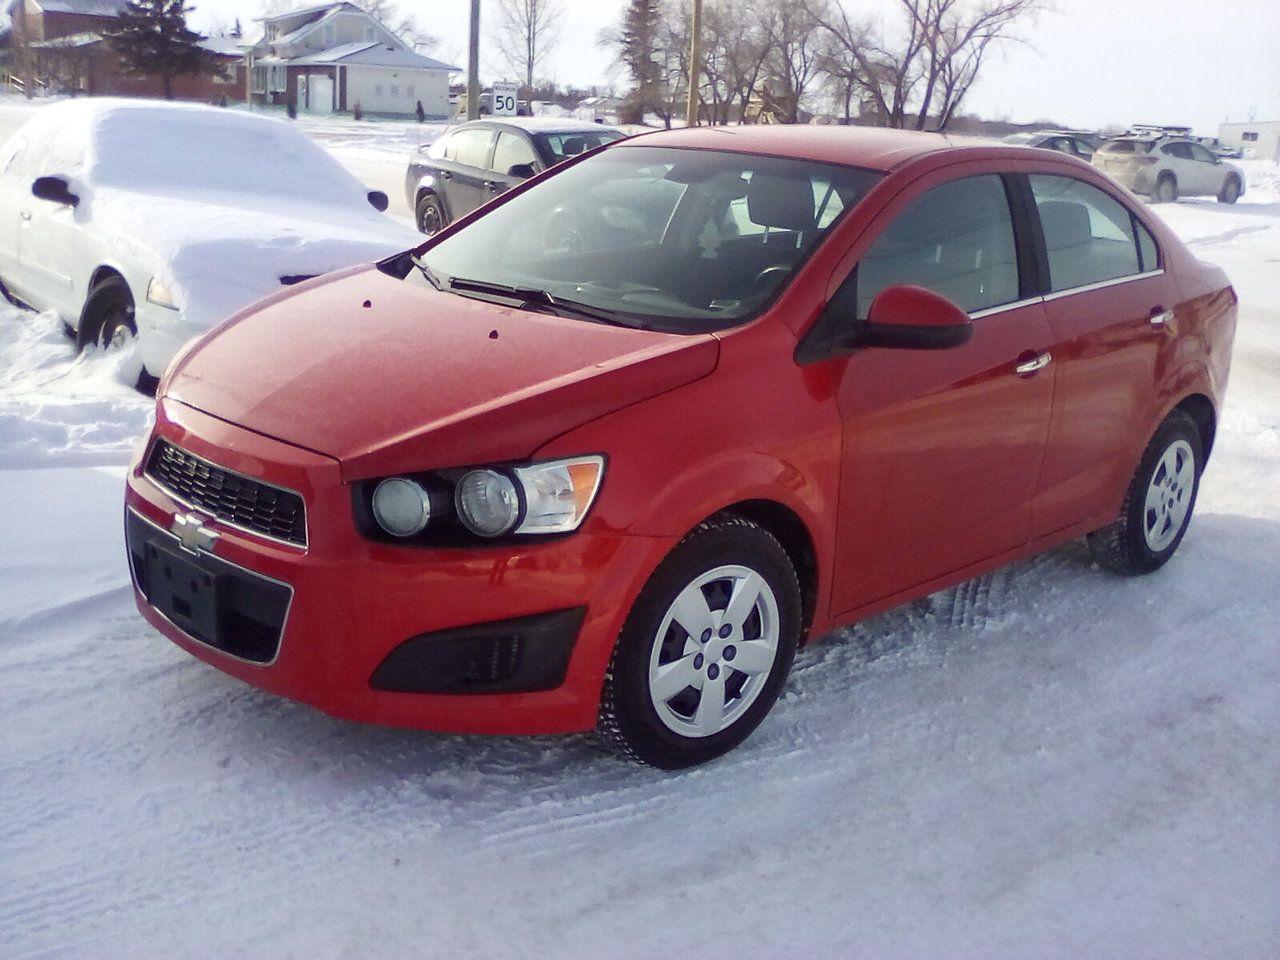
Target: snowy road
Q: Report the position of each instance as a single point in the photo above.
(1046, 762)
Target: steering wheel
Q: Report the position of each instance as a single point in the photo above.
(781, 269)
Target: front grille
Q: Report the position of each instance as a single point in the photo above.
(231, 497)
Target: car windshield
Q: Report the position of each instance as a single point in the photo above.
(561, 146)
(681, 240)
(1128, 146)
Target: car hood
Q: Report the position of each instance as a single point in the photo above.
(221, 252)
(388, 376)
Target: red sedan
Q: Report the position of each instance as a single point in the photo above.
(603, 453)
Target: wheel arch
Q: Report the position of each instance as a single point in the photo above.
(1200, 408)
(796, 539)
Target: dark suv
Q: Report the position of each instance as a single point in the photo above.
(475, 161)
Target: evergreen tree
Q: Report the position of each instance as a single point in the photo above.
(638, 40)
(151, 38)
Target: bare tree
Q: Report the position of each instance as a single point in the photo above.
(527, 31)
(796, 51)
(926, 69)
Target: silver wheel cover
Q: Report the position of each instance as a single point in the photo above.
(1168, 498)
(714, 650)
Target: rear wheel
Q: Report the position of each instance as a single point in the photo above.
(1166, 189)
(706, 648)
(1230, 191)
(1158, 504)
(430, 214)
(108, 317)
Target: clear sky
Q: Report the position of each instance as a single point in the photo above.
(1090, 63)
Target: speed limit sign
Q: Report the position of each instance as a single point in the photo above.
(504, 99)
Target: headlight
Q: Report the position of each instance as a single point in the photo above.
(161, 294)
(559, 493)
(401, 506)
(487, 502)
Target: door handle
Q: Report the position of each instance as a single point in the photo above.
(1160, 316)
(1034, 364)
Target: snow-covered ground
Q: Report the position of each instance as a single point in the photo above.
(1046, 762)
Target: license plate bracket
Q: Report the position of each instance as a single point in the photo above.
(183, 592)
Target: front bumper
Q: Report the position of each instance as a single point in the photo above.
(161, 334)
(354, 602)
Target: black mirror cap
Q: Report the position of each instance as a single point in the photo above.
(912, 337)
(378, 200)
(521, 171)
(55, 190)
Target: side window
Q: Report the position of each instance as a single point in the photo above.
(512, 149)
(1200, 153)
(1087, 233)
(956, 240)
(1180, 150)
(471, 147)
(1148, 254)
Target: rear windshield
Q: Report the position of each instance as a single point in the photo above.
(1128, 146)
(561, 146)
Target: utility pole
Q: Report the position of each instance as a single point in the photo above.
(695, 61)
(473, 64)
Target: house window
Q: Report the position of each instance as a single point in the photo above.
(395, 89)
(328, 34)
(409, 90)
(377, 89)
(370, 33)
(1250, 136)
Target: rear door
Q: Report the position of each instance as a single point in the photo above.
(1209, 171)
(942, 448)
(1176, 156)
(1107, 309)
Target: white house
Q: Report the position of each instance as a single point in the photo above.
(1259, 139)
(330, 57)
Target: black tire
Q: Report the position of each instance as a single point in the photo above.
(1166, 190)
(628, 722)
(1124, 546)
(430, 214)
(1230, 191)
(108, 313)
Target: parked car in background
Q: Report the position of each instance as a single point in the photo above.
(474, 162)
(1069, 142)
(1220, 149)
(1165, 167)
(503, 484)
(159, 220)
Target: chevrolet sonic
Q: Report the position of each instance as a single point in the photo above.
(602, 453)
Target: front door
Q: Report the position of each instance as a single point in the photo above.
(464, 171)
(942, 448)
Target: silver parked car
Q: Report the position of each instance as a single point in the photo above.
(1165, 167)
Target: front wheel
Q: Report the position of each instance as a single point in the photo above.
(706, 648)
(108, 317)
(1230, 191)
(1158, 505)
(430, 214)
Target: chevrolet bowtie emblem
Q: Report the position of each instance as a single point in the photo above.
(192, 534)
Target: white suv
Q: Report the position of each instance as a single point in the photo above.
(1167, 167)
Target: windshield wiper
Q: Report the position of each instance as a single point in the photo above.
(428, 273)
(537, 297)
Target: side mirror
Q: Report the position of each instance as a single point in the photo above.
(378, 200)
(913, 318)
(521, 171)
(55, 190)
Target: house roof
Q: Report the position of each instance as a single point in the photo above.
(303, 11)
(88, 8)
(374, 54)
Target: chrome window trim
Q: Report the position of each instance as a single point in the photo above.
(284, 624)
(306, 526)
(1001, 308)
(1102, 284)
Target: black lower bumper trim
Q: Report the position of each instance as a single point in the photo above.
(523, 655)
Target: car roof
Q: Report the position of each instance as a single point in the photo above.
(871, 148)
(540, 124)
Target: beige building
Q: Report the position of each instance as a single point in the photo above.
(1256, 139)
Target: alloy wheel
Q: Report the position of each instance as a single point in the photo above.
(1169, 495)
(714, 650)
